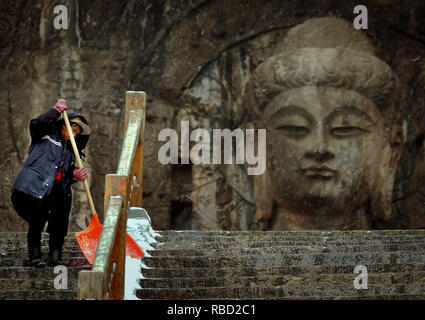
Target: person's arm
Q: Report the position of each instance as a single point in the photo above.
(45, 122)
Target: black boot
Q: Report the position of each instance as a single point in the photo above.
(35, 258)
(55, 258)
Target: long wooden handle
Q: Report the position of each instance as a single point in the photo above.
(77, 157)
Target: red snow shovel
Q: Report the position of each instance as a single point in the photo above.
(89, 237)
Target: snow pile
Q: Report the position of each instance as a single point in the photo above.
(140, 229)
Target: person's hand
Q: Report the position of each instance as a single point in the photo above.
(80, 174)
(61, 105)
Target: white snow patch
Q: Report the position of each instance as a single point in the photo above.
(140, 229)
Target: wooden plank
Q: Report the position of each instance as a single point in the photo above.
(102, 282)
(115, 232)
(108, 235)
(138, 163)
(129, 146)
(134, 100)
(118, 279)
(137, 174)
(90, 285)
(116, 185)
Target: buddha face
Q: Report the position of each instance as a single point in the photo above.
(322, 145)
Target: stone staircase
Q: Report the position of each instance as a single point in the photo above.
(19, 281)
(284, 265)
(242, 265)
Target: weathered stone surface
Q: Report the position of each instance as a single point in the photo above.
(192, 58)
(275, 281)
(38, 295)
(315, 265)
(21, 282)
(71, 261)
(274, 260)
(34, 285)
(272, 271)
(249, 245)
(28, 273)
(288, 292)
(280, 249)
(209, 265)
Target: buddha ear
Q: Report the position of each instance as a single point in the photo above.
(386, 171)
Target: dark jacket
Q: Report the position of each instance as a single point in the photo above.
(48, 153)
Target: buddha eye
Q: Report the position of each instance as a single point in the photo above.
(294, 131)
(347, 131)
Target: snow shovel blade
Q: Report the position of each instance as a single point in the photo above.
(89, 238)
(132, 249)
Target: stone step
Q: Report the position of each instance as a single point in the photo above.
(259, 244)
(278, 237)
(37, 273)
(38, 295)
(6, 243)
(72, 262)
(372, 297)
(286, 250)
(270, 260)
(280, 270)
(320, 291)
(320, 233)
(44, 254)
(18, 241)
(272, 280)
(19, 281)
(35, 284)
(24, 249)
(242, 265)
(13, 245)
(21, 234)
(293, 232)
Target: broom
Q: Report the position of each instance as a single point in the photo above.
(89, 237)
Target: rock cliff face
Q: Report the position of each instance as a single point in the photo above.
(192, 58)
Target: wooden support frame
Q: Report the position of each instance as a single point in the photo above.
(122, 190)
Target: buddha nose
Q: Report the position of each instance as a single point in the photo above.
(320, 150)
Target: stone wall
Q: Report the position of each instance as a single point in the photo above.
(191, 58)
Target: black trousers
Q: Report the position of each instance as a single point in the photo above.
(54, 209)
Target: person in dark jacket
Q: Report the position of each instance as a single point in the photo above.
(42, 190)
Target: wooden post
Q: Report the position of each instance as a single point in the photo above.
(134, 100)
(90, 285)
(124, 189)
(138, 163)
(116, 185)
(118, 257)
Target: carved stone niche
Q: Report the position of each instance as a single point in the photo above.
(331, 109)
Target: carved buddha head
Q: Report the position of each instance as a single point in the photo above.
(331, 110)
